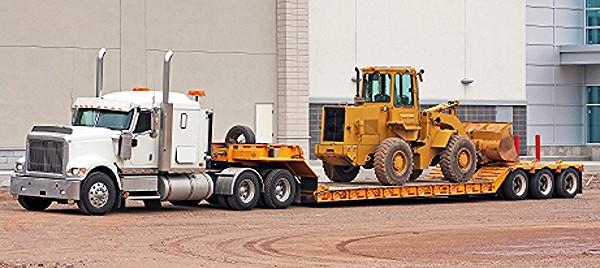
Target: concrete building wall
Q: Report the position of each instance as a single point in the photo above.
(450, 39)
(227, 47)
(555, 93)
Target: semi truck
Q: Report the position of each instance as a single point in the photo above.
(158, 146)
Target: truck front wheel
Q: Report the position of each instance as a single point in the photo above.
(34, 203)
(98, 194)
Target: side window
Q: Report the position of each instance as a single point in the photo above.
(183, 121)
(403, 85)
(144, 122)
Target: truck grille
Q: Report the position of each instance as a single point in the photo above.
(45, 156)
(334, 124)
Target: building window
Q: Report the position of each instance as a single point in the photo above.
(593, 114)
(592, 22)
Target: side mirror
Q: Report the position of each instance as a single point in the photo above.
(125, 145)
(155, 124)
(420, 74)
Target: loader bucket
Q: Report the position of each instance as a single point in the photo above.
(493, 140)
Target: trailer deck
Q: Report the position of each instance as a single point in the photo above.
(487, 180)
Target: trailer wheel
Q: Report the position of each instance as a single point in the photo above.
(341, 173)
(98, 194)
(459, 160)
(240, 134)
(567, 183)
(246, 192)
(541, 184)
(280, 189)
(515, 185)
(32, 203)
(186, 203)
(393, 161)
(152, 204)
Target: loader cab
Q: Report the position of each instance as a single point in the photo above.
(395, 87)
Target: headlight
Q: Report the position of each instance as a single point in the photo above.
(76, 172)
(18, 167)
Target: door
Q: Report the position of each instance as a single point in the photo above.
(405, 112)
(144, 148)
(264, 122)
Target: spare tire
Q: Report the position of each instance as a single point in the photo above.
(240, 134)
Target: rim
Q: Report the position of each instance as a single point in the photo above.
(282, 189)
(519, 184)
(571, 183)
(246, 190)
(464, 159)
(98, 195)
(399, 162)
(545, 185)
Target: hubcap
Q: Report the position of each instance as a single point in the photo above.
(464, 159)
(399, 160)
(282, 189)
(545, 184)
(246, 190)
(98, 194)
(520, 185)
(571, 183)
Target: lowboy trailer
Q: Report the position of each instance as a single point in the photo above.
(512, 181)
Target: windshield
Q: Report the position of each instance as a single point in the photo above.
(102, 118)
(376, 87)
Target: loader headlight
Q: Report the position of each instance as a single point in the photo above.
(76, 172)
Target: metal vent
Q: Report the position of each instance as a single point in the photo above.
(45, 156)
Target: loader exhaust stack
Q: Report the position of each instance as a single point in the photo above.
(166, 119)
(100, 71)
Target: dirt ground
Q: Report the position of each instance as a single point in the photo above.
(438, 232)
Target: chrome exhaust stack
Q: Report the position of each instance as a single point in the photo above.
(100, 71)
(166, 118)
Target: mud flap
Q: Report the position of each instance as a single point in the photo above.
(308, 186)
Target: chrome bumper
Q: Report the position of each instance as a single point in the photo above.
(45, 187)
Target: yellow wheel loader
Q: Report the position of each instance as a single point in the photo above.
(386, 130)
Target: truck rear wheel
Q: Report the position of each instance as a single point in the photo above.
(240, 134)
(246, 192)
(34, 203)
(567, 183)
(341, 173)
(98, 194)
(515, 185)
(280, 189)
(541, 184)
(393, 161)
(459, 160)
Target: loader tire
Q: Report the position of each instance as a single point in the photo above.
(459, 160)
(341, 173)
(240, 134)
(393, 161)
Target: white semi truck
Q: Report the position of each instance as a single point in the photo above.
(146, 145)
(157, 146)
